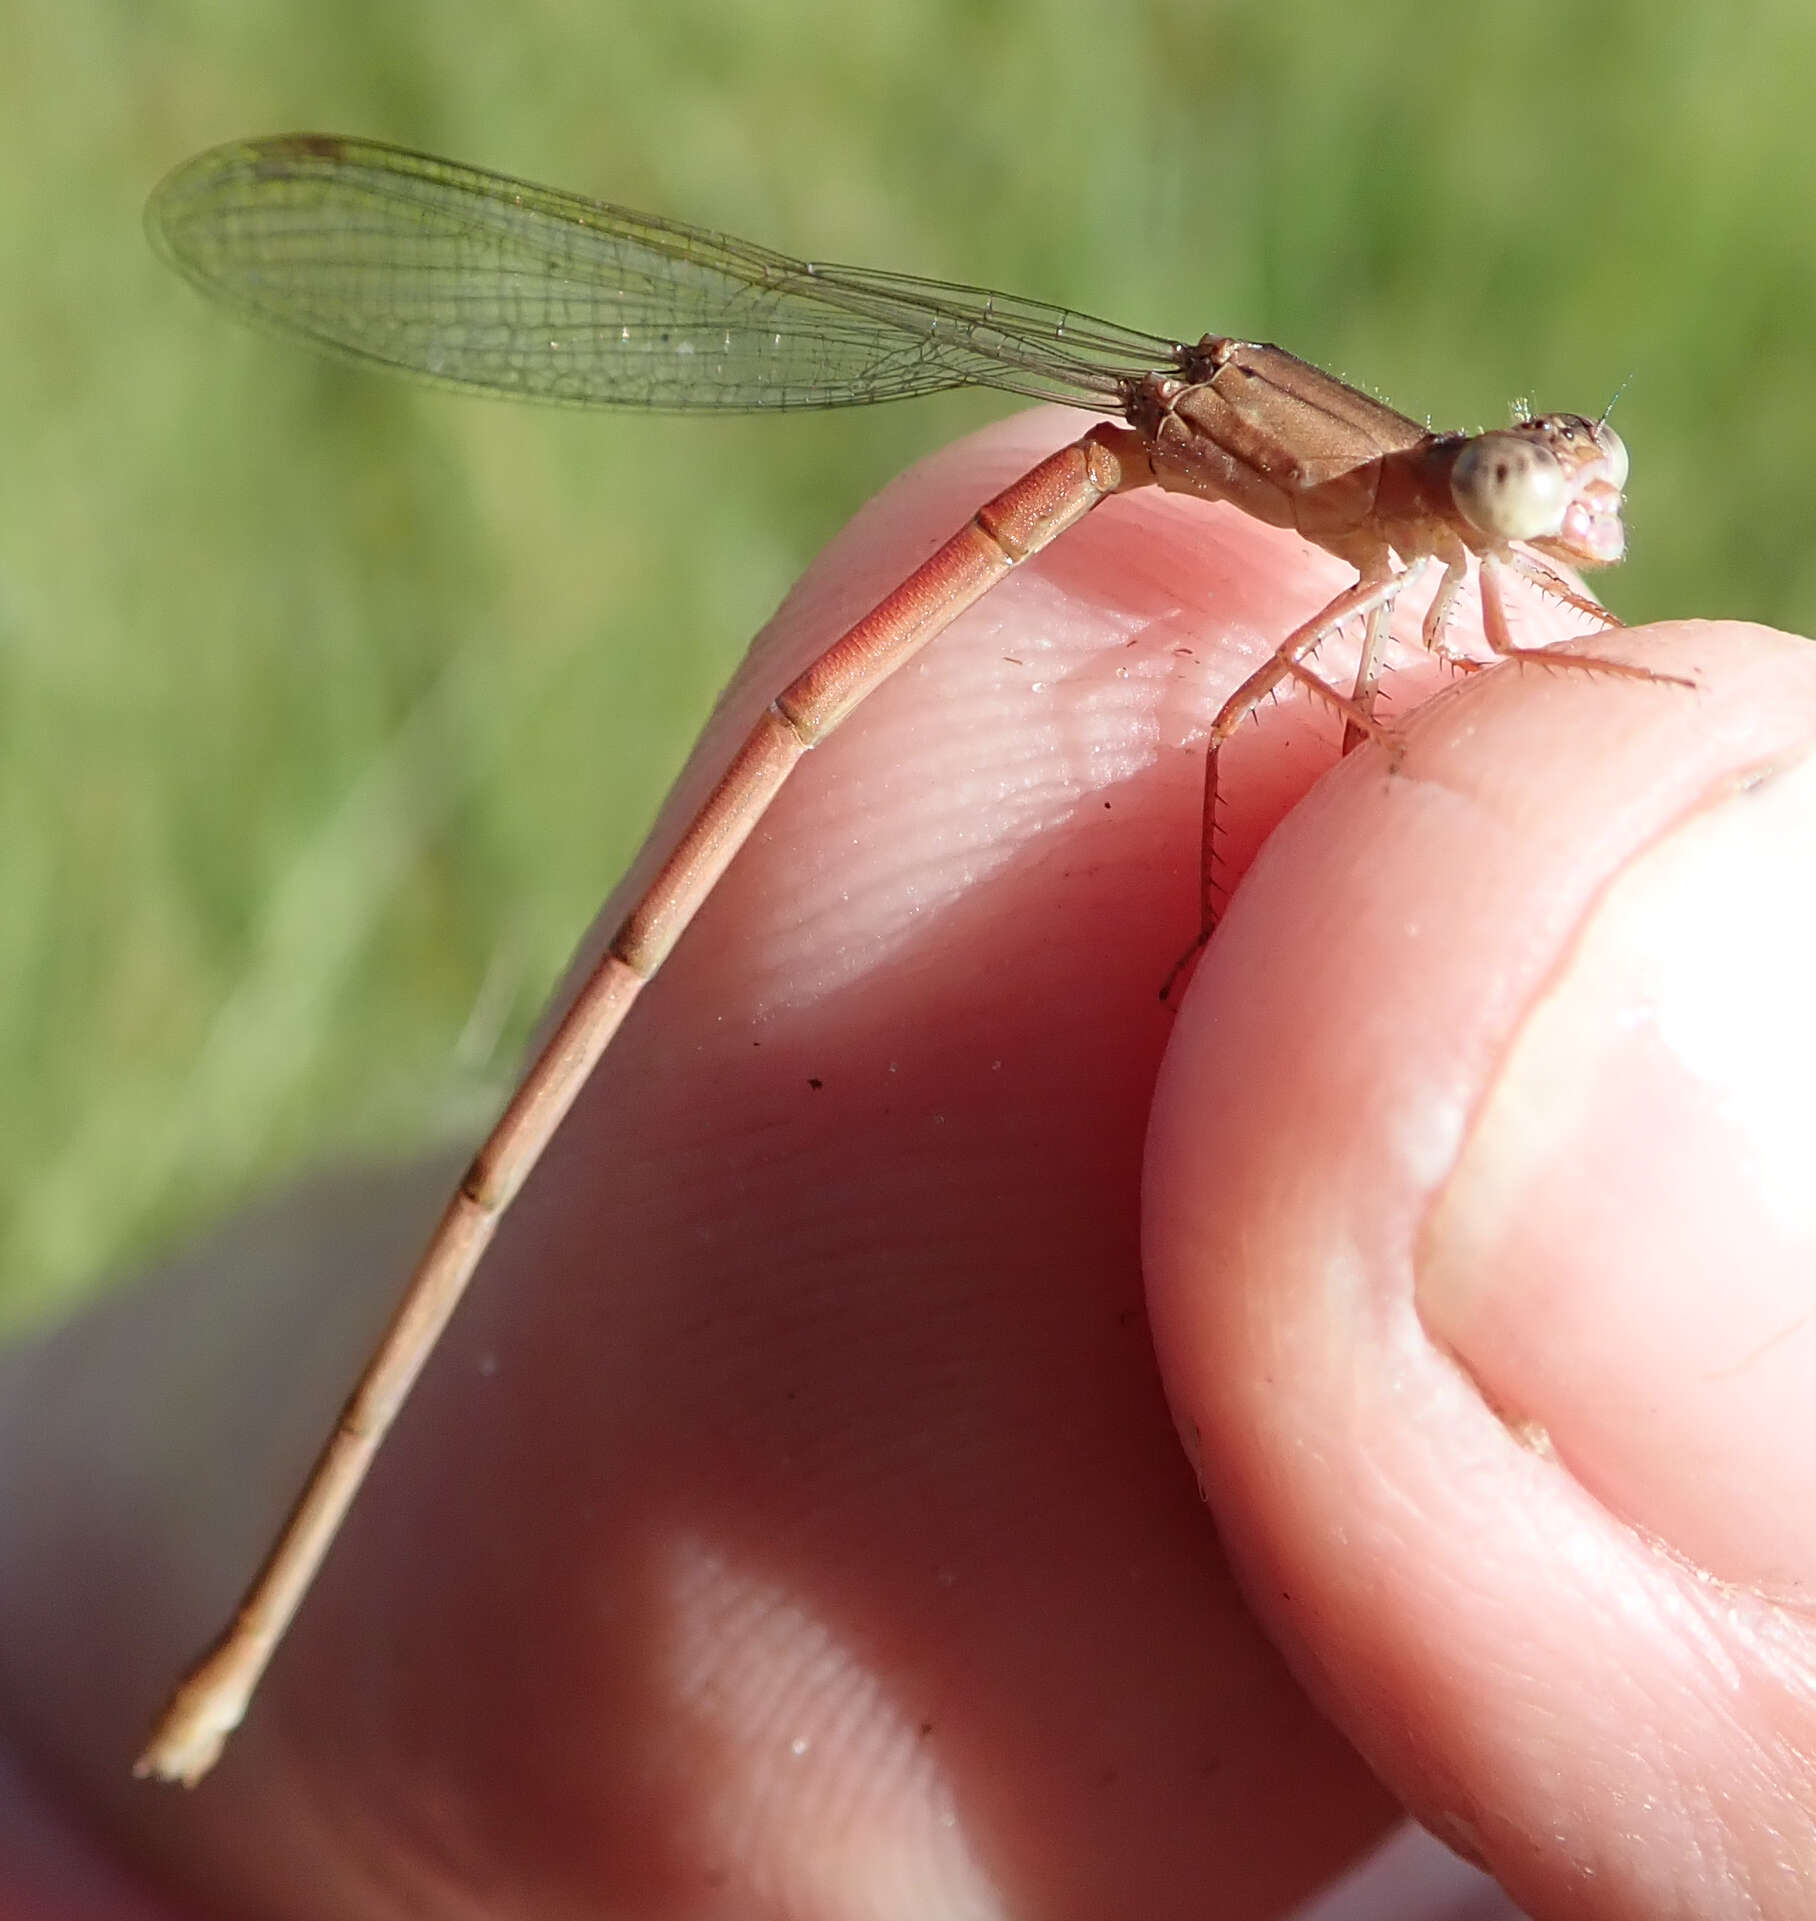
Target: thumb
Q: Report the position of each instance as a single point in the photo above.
(1480, 1235)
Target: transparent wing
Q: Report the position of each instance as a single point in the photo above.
(470, 279)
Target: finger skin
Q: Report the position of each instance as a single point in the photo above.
(793, 1521)
(1500, 1391)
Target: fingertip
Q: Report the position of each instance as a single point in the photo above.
(1430, 1298)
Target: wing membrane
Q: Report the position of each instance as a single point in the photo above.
(470, 279)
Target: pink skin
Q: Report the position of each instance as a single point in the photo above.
(793, 1522)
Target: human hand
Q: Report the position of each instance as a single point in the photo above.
(792, 1521)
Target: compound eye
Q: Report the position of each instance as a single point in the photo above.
(1614, 451)
(1509, 487)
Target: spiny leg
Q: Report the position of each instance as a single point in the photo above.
(1357, 716)
(1434, 634)
(1548, 580)
(1374, 591)
(1500, 638)
(1368, 674)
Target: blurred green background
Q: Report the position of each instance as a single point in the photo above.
(331, 707)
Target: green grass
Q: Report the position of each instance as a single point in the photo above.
(331, 707)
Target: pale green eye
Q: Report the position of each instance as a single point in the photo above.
(1614, 451)
(1508, 486)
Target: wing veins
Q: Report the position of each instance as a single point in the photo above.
(470, 279)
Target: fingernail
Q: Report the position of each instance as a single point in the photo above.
(1625, 1255)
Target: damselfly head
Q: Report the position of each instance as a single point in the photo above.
(1555, 481)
